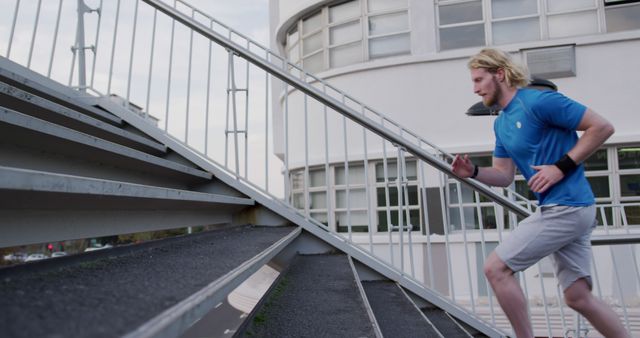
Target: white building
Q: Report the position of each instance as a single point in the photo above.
(407, 60)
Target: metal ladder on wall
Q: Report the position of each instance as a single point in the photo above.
(232, 91)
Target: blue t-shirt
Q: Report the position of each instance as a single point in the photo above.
(537, 128)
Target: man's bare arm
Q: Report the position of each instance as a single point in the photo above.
(596, 131)
(501, 174)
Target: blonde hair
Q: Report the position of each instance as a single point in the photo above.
(493, 59)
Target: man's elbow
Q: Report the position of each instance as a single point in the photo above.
(604, 131)
(608, 129)
(506, 183)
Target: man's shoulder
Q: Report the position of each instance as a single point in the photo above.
(534, 95)
(536, 100)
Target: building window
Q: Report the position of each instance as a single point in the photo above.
(345, 34)
(317, 193)
(342, 204)
(350, 32)
(622, 15)
(351, 199)
(312, 45)
(515, 21)
(571, 18)
(629, 181)
(388, 32)
(409, 201)
(460, 24)
(463, 23)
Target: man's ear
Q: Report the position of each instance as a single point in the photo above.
(500, 74)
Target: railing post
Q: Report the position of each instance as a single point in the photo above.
(79, 47)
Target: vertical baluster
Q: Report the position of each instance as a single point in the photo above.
(287, 182)
(133, 46)
(188, 112)
(55, 39)
(463, 224)
(346, 175)
(246, 120)
(97, 43)
(266, 128)
(370, 215)
(207, 108)
(400, 206)
(484, 255)
(35, 30)
(625, 225)
(173, 29)
(330, 215)
(307, 196)
(446, 221)
(13, 28)
(422, 184)
(113, 46)
(405, 184)
(153, 45)
(227, 109)
(615, 270)
(386, 195)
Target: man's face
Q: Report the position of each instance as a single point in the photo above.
(486, 85)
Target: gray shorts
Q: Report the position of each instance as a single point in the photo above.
(564, 232)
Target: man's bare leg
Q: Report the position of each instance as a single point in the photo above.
(509, 294)
(578, 296)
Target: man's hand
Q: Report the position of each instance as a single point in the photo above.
(545, 178)
(462, 166)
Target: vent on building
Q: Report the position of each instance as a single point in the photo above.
(553, 62)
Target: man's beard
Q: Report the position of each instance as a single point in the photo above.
(497, 94)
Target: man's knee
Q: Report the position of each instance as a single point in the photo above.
(578, 295)
(495, 269)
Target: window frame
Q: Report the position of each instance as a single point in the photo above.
(325, 31)
(544, 14)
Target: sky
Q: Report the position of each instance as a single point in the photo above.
(250, 17)
(158, 82)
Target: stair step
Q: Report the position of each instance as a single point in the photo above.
(316, 297)
(29, 131)
(445, 323)
(30, 104)
(39, 206)
(16, 75)
(395, 313)
(79, 191)
(118, 290)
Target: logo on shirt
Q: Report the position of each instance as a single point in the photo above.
(518, 125)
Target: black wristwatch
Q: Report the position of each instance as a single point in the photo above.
(475, 171)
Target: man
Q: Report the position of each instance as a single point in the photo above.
(536, 131)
